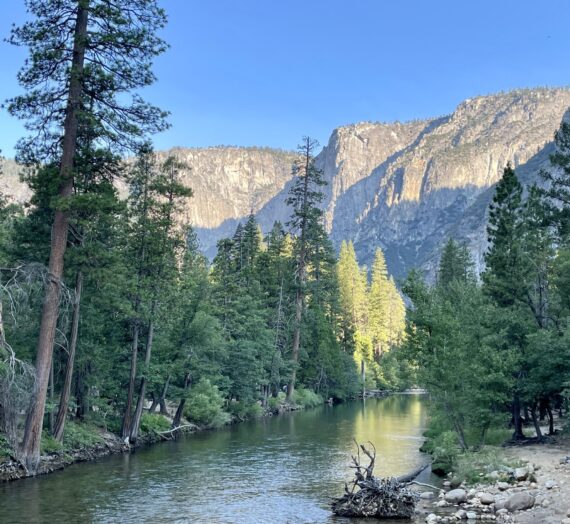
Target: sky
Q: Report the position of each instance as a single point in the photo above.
(267, 72)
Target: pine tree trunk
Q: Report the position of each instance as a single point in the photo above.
(180, 409)
(154, 403)
(162, 399)
(30, 449)
(66, 391)
(296, 344)
(126, 429)
(51, 397)
(142, 388)
(517, 420)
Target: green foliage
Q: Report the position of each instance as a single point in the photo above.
(6, 450)
(307, 398)
(79, 436)
(153, 423)
(205, 405)
(50, 445)
(244, 411)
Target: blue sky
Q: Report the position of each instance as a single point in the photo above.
(266, 72)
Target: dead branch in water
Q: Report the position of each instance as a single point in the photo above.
(369, 496)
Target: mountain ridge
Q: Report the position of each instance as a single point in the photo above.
(401, 186)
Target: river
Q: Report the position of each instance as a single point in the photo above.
(274, 470)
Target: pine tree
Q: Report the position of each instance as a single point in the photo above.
(455, 264)
(108, 56)
(304, 199)
(379, 304)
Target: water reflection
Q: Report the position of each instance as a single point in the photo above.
(279, 469)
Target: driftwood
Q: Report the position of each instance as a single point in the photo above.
(380, 498)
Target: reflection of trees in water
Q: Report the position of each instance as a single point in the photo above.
(392, 425)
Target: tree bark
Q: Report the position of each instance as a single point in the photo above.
(180, 409)
(66, 391)
(517, 420)
(30, 449)
(550, 419)
(162, 399)
(535, 422)
(142, 388)
(126, 429)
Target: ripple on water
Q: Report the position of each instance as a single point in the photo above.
(278, 470)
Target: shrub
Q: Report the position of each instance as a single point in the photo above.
(205, 405)
(152, 423)
(307, 398)
(6, 450)
(244, 411)
(78, 436)
(444, 450)
(49, 444)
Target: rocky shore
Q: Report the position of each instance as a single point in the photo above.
(538, 492)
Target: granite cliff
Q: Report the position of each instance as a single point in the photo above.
(404, 187)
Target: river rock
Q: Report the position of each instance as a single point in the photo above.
(503, 486)
(519, 501)
(461, 514)
(456, 496)
(549, 484)
(486, 498)
(471, 515)
(427, 495)
(521, 473)
(431, 518)
(565, 521)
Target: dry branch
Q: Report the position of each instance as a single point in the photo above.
(369, 496)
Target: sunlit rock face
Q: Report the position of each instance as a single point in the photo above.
(404, 187)
(415, 186)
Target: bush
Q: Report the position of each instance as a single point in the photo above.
(444, 450)
(243, 411)
(49, 444)
(6, 450)
(152, 423)
(205, 405)
(307, 398)
(79, 436)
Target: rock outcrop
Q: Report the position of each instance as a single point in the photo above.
(404, 187)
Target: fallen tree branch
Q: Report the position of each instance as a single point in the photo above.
(369, 496)
(423, 484)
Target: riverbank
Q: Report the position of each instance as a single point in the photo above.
(535, 490)
(102, 443)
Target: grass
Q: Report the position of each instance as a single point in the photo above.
(475, 466)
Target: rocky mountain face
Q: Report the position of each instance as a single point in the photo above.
(404, 187)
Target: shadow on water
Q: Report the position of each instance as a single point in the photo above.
(277, 469)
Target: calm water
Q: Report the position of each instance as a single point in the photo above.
(275, 470)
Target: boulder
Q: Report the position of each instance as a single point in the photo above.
(519, 501)
(456, 496)
(521, 473)
(486, 498)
